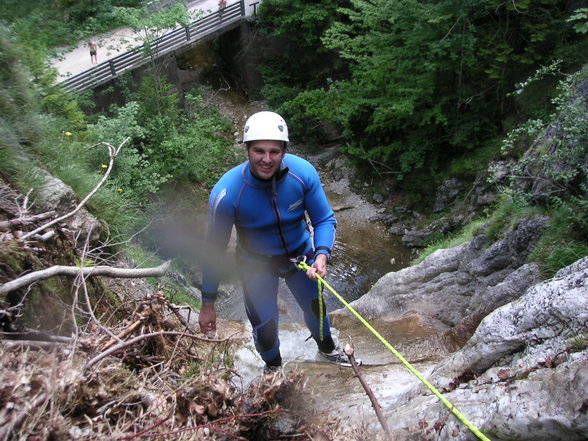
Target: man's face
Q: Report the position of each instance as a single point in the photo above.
(265, 158)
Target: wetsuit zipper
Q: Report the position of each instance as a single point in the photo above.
(277, 214)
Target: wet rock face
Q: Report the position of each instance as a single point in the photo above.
(452, 285)
(528, 365)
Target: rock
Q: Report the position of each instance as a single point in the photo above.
(57, 196)
(413, 239)
(389, 219)
(512, 250)
(460, 284)
(337, 174)
(398, 230)
(524, 365)
(446, 194)
(500, 171)
(374, 218)
(378, 198)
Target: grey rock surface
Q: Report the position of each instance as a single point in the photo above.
(522, 376)
(60, 197)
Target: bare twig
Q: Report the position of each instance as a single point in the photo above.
(175, 310)
(40, 336)
(122, 334)
(218, 421)
(24, 220)
(113, 152)
(81, 280)
(349, 351)
(31, 344)
(73, 271)
(21, 416)
(132, 341)
(148, 429)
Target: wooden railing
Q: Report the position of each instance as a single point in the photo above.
(197, 30)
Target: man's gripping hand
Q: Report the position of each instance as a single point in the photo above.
(207, 318)
(319, 267)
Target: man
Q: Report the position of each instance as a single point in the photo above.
(266, 198)
(93, 47)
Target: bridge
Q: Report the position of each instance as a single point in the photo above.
(206, 27)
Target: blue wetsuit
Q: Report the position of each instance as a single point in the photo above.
(269, 217)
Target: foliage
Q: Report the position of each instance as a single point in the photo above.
(565, 241)
(579, 20)
(418, 82)
(19, 122)
(552, 175)
(466, 234)
(512, 207)
(43, 124)
(555, 165)
(166, 144)
(300, 62)
(148, 25)
(44, 24)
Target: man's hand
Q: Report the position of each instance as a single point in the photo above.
(318, 267)
(207, 318)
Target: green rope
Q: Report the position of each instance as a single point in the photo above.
(321, 309)
(304, 267)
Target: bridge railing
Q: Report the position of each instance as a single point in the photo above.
(197, 30)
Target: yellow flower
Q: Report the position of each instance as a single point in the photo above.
(104, 166)
(67, 133)
(119, 190)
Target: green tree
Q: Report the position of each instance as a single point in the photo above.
(429, 79)
(51, 23)
(148, 27)
(422, 81)
(299, 61)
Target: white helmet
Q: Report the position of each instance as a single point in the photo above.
(265, 125)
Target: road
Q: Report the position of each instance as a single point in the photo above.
(110, 44)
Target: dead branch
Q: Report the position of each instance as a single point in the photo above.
(175, 310)
(211, 424)
(122, 334)
(31, 344)
(21, 416)
(148, 429)
(73, 271)
(34, 335)
(132, 341)
(80, 280)
(113, 152)
(349, 349)
(24, 220)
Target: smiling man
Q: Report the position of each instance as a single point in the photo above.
(266, 199)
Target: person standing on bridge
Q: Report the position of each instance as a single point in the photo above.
(222, 4)
(93, 47)
(266, 198)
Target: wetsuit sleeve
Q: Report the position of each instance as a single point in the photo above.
(322, 217)
(220, 224)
